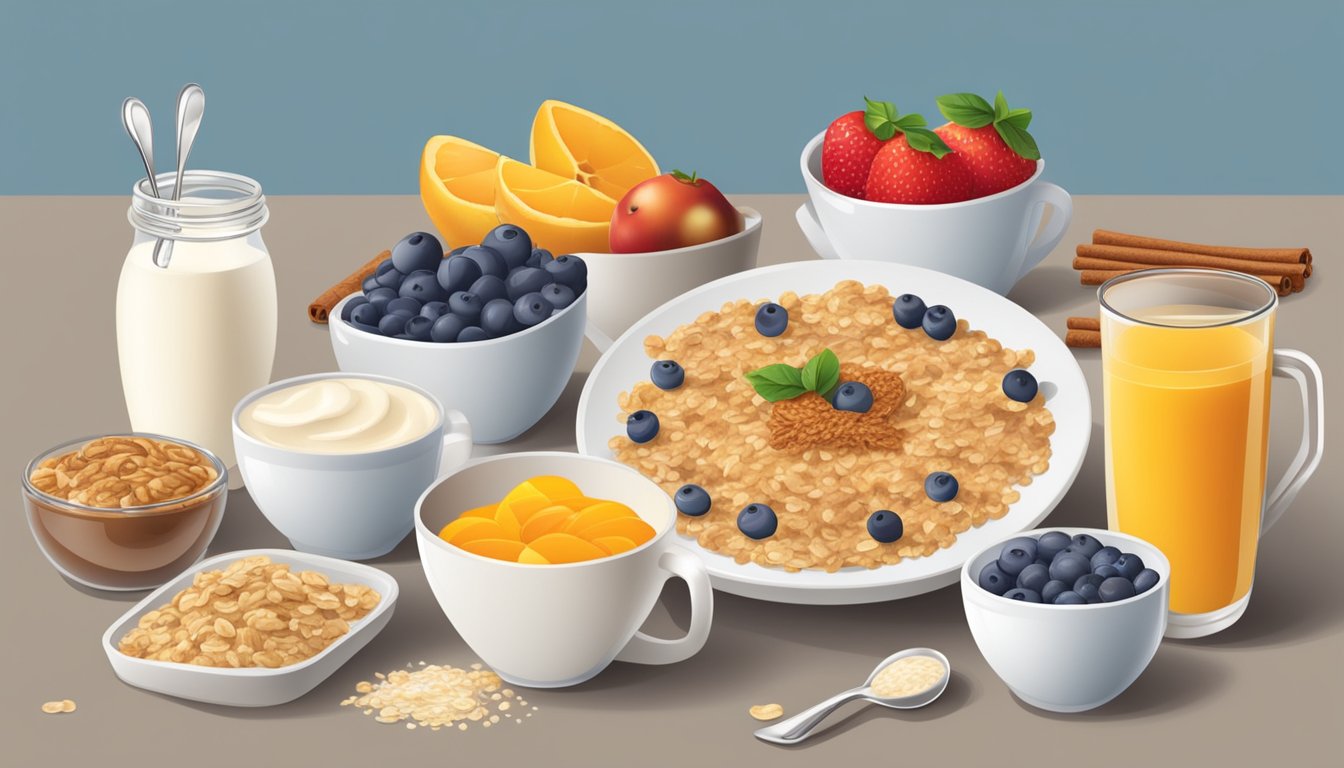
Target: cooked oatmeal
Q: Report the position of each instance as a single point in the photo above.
(716, 432)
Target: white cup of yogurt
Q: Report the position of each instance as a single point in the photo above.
(336, 461)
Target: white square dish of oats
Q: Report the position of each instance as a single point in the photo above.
(842, 431)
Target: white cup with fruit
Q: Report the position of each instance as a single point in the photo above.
(966, 199)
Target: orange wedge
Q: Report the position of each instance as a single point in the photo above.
(530, 556)
(577, 144)
(561, 215)
(564, 548)
(464, 523)
(631, 528)
(486, 529)
(546, 521)
(457, 187)
(598, 513)
(555, 487)
(499, 549)
(614, 545)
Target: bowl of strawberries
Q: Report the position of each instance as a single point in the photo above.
(966, 198)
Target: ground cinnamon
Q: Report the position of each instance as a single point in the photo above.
(321, 307)
(808, 421)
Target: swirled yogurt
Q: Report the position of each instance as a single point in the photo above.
(339, 416)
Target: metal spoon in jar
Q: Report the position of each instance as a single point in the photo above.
(190, 110)
(135, 119)
(800, 726)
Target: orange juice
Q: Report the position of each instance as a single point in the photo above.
(1187, 422)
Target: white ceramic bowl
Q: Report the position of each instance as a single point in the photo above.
(626, 286)
(547, 626)
(991, 241)
(1068, 658)
(504, 385)
(355, 506)
(251, 686)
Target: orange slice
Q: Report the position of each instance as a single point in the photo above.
(560, 214)
(457, 187)
(597, 513)
(631, 528)
(532, 557)
(462, 524)
(525, 508)
(507, 521)
(574, 143)
(487, 529)
(564, 548)
(499, 549)
(555, 487)
(548, 520)
(615, 545)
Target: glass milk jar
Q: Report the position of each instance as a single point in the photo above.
(195, 336)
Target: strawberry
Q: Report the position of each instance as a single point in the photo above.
(993, 141)
(915, 167)
(847, 153)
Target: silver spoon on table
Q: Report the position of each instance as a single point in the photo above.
(800, 726)
(190, 110)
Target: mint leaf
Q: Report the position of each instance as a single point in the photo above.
(1000, 107)
(880, 117)
(822, 372)
(1018, 139)
(777, 382)
(1018, 117)
(924, 140)
(966, 109)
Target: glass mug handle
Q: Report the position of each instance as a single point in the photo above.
(1298, 366)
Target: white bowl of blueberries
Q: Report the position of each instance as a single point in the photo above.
(493, 330)
(1068, 618)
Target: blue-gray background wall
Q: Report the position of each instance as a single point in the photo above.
(1150, 96)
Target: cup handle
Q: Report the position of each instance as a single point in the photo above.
(1045, 193)
(1298, 366)
(456, 442)
(647, 649)
(816, 236)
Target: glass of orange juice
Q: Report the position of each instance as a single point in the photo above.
(1187, 356)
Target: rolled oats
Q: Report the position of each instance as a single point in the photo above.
(433, 696)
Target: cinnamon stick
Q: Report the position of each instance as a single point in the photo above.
(1280, 255)
(1084, 323)
(1083, 339)
(321, 307)
(1282, 284)
(1295, 282)
(1154, 257)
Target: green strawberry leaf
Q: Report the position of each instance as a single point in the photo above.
(1000, 107)
(906, 122)
(1018, 139)
(880, 117)
(822, 372)
(966, 109)
(1018, 117)
(777, 382)
(924, 140)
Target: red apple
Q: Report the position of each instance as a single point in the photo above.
(672, 211)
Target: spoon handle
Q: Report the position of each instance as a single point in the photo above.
(190, 110)
(800, 726)
(135, 119)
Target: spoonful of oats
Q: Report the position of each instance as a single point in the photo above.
(909, 679)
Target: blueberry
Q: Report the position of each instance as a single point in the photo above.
(994, 580)
(642, 426)
(380, 296)
(525, 280)
(1087, 586)
(885, 526)
(472, 333)
(539, 258)
(489, 288)
(1013, 560)
(1024, 542)
(400, 306)
(418, 327)
(457, 273)
(1116, 588)
(446, 328)
(511, 242)
(1042, 561)
(1052, 589)
(854, 396)
(365, 328)
(435, 309)
(369, 283)
(1068, 566)
(757, 521)
(1129, 565)
(691, 500)
(1034, 577)
(568, 270)
(939, 323)
(1051, 544)
(350, 305)
(1020, 385)
(1106, 571)
(771, 319)
(941, 487)
(1070, 598)
(422, 285)
(1146, 580)
(1086, 545)
(1105, 556)
(497, 318)
(531, 309)
(388, 276)
(392, 324)
(559, 296)
(667, 374)
(908, 309)
(458, 250)
(488, 260)
(417, 251)
(467, 306)
(1025, 595)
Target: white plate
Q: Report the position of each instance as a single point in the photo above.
(251, 686)
(1066, 390)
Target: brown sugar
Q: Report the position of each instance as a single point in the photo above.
(808, 421)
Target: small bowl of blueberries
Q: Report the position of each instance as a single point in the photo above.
(1068, 618)
(493, 330)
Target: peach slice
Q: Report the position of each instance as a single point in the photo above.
(499, 549)
(524, 508)
(564, 548)
(487, 511)
(530, 556)
(548, 520)
(597, 513)
(507, 520)
(484, 529)
(614, 545)
(555, 487)
(462, 524)
(632, 528)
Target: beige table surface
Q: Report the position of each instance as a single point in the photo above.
(1266, 691)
